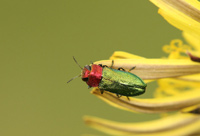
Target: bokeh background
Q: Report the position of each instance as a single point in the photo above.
(37, 41)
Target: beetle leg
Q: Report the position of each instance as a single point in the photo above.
(128, 98)
(118, 95)
(91, 62)
(120, 68)
(131, 69)
(105, 66)
(102, 91)
(112, 64)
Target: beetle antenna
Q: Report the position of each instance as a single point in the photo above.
(73, 78)
(77, 63)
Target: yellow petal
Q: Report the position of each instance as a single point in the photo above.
(183, 14)
(194, 78)
(193, 39)
(173, 86)
(156, 68)
(174, 125)
(154, 105)
(180, 13)
(124, 55)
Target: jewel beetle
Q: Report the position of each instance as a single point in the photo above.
(118, 81)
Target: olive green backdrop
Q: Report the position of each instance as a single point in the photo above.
(37, 41)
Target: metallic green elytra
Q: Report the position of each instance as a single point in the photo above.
(121, 82)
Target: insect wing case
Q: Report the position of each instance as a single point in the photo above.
(121, 82)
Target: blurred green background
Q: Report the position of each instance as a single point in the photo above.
(37, 41)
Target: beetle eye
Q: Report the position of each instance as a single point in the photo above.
(85, 79)
(88, 67)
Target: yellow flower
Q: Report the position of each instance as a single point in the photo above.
(178, 77)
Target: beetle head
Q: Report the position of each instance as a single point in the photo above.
(85, 73)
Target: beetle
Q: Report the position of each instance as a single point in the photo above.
(118, 81)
